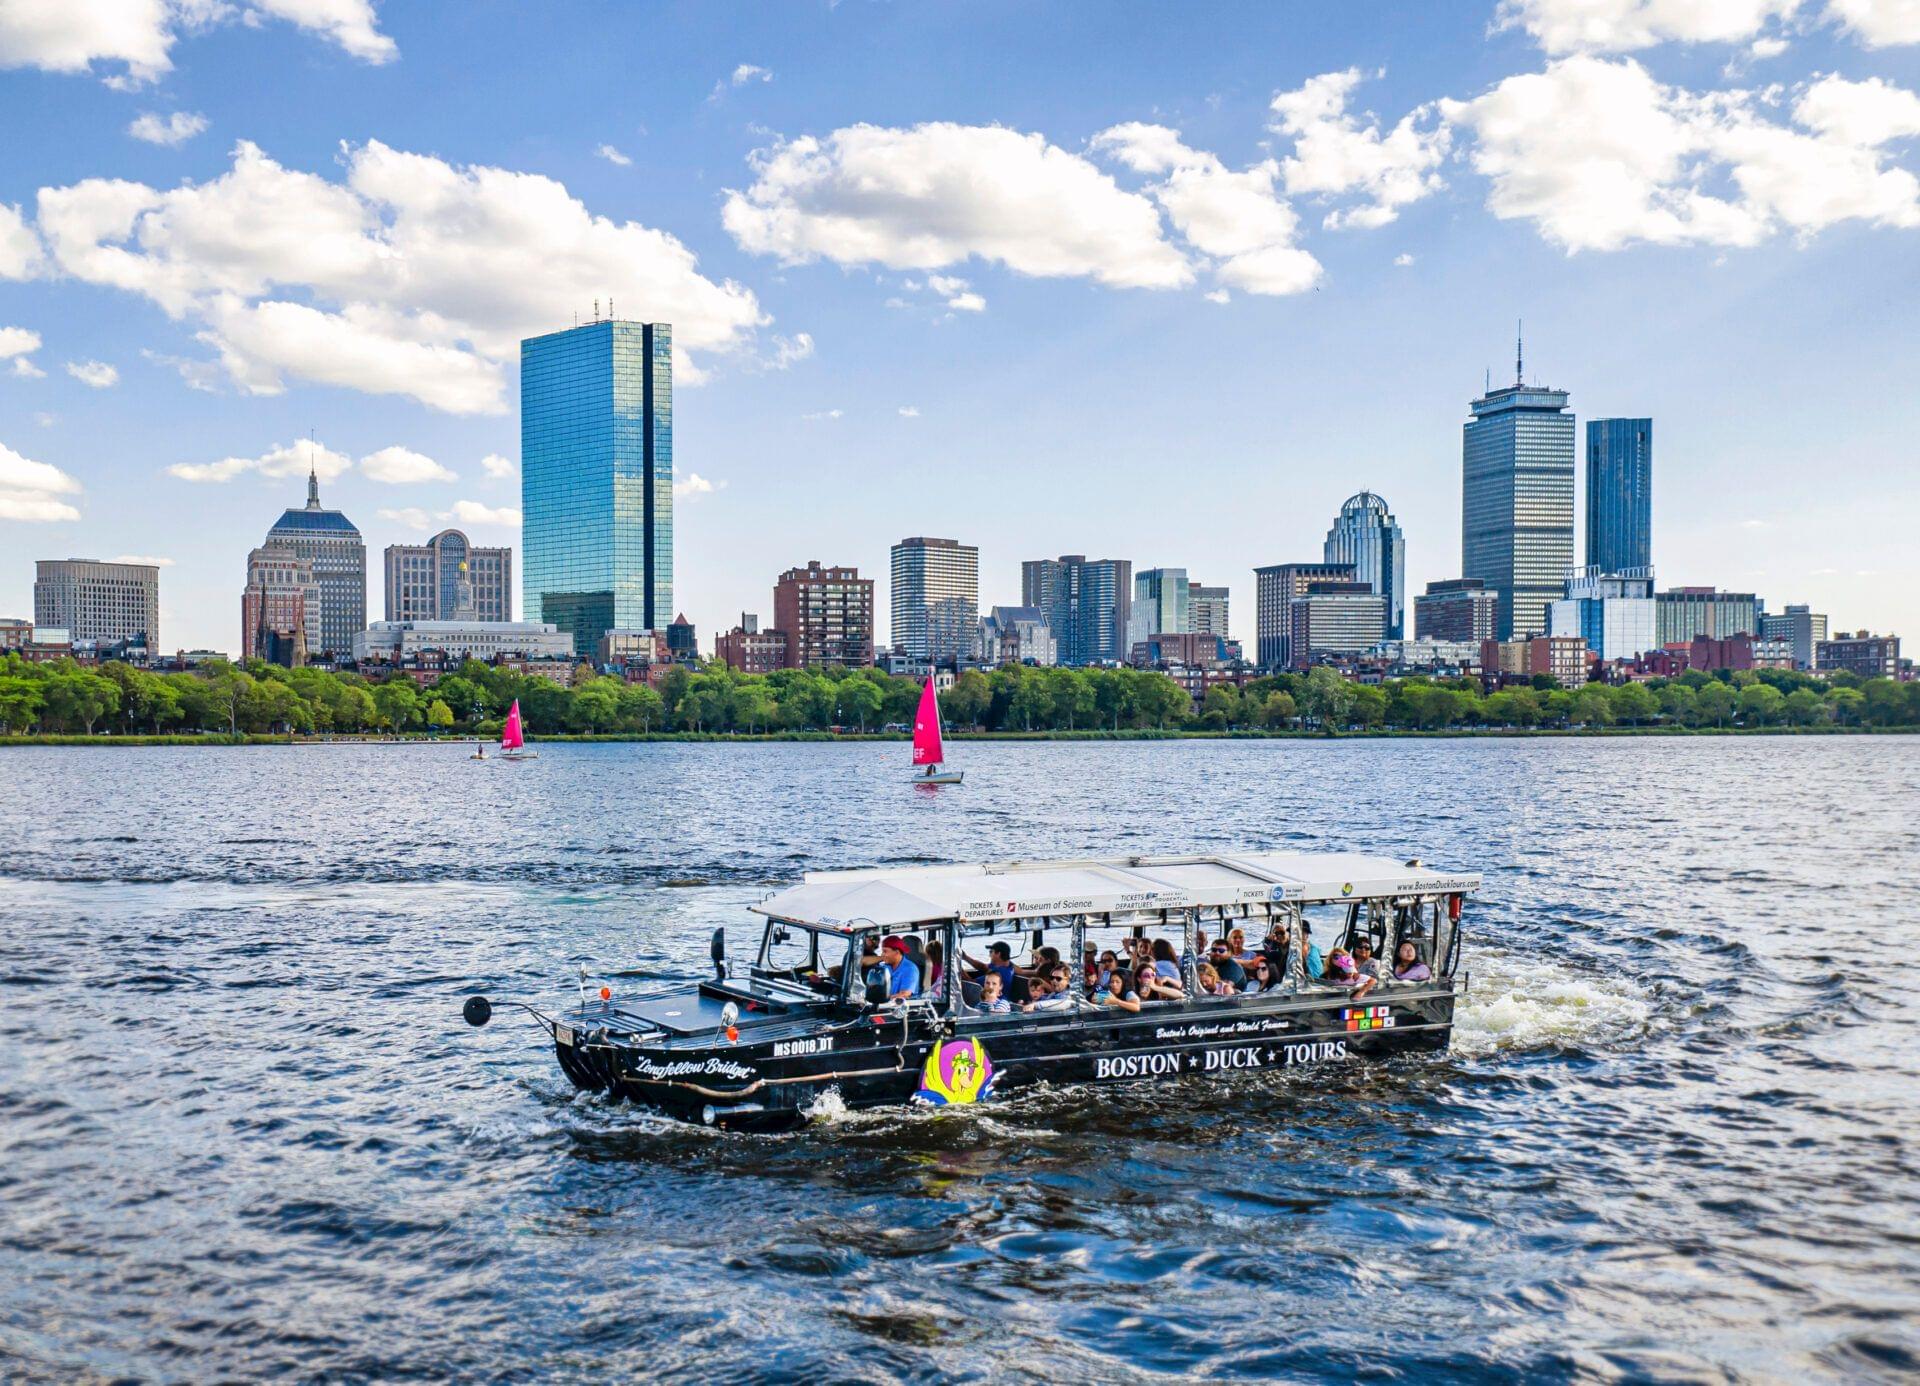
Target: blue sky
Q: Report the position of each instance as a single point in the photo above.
(1125, 280)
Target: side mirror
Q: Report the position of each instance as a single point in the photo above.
(718, 952)
(876, 994)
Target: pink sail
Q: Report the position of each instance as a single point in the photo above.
(510, 736)
(926, 728)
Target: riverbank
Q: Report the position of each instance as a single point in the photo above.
(1128, 734)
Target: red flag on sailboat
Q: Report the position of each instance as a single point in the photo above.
(511, 738)
(926, 728)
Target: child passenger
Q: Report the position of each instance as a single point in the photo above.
(990, 998)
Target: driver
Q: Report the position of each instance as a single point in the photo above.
(903, 974)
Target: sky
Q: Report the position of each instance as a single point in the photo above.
(1129, 280)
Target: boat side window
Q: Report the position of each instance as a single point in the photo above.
(807, 956)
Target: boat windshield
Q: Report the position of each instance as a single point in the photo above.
(810, 958)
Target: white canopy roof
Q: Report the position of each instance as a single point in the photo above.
(896, 898)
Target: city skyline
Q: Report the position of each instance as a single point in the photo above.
(157, 385)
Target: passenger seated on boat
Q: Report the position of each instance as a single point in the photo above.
(1041, 962)
(999, 962)
(1210, 983)
(1407, 966)
(1164, 962)
(903, 977)
(1278, 952)
(936, 955)
(990, 998)
(1237, 945)
(1151, 986)
(1225, 965)
(1019, 990)
(1108, 964)
(1364, 962)
(1052, 991)
(1117, 994)
(917, 955)
(1340, 973)
(1260, 977)
(1310, 955)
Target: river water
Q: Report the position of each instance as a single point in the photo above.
(243, 1131)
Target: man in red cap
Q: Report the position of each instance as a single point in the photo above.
(902, 972)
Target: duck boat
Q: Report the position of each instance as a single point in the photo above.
(762, 1041)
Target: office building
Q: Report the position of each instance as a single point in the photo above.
(1186, 649)
(1088, 604)
(1162, 603)
(596, 478)
(279, 608)
(936, 600)
(827, 614)
(1517, 501)
(1275, 588)
(1685, 612)
(1869, 656)
(1456, 609)
(327, 542)
(395, 642)
(1612, 612)
(1429, 656)
(1209, 608)
(1619, 494)
(683, 641)
(1801, 627)
(98, 603)
(1334, 618)
(1367, 536)
(449, 579)
(1017, 635)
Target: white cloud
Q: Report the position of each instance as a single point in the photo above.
(413, 276)
(45, 420)
(691, 487)
(939, 194)
(1878, 23)
(18, 342)
(412, 516)
(788, 351)
(1336, 155)
(147, 559)
(967, 303)
(30, 490)
(26, 370)
(398, 466)
(1615, 26)
(613, 156)
(1762, 49)
(1237, 218)
(1403, 259)
(95, 375)
(138, 35)
(1599, 155)
(749, 72)
(282, 460)
(907, 411)
(19, 248)
(1217, 296)
(474, 513)
(172, 130)
(494, 465)
(822, 414)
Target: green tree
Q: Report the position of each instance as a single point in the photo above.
(1368, 707)
(861, 700)
(1277, 711)
(1591, 706)
(1326, 697)
(1804, 708)
(1761, 704)
(1033, 702)
(1714, 704)
(78, 698)
(640, 708)
(397, 703)
(966, 703)
(1222, 701)
(226, 689)
(439, 715)
(1847, 704)
(20, 702)
(1633, 704)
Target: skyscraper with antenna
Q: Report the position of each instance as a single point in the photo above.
(331, 544)
(1516, 499)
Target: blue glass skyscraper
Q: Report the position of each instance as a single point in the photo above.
(1367, 536)
(1619, 494)
(1517, 502)
(596, 478)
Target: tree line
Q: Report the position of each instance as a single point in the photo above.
(62, 696)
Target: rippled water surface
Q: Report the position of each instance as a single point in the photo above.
(244, 1133)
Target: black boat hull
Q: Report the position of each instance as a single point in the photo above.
(772, 1083)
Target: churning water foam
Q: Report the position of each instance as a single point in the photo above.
(1517, 1004)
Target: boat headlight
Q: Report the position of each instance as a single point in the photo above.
(729, 1015)
(706, 1115)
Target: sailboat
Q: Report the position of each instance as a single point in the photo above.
(513, 742)
(927, 749)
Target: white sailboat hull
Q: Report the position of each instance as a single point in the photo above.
(941, 777)
(519, 755)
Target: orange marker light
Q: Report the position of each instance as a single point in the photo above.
(732, 1034)
(606, 993)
